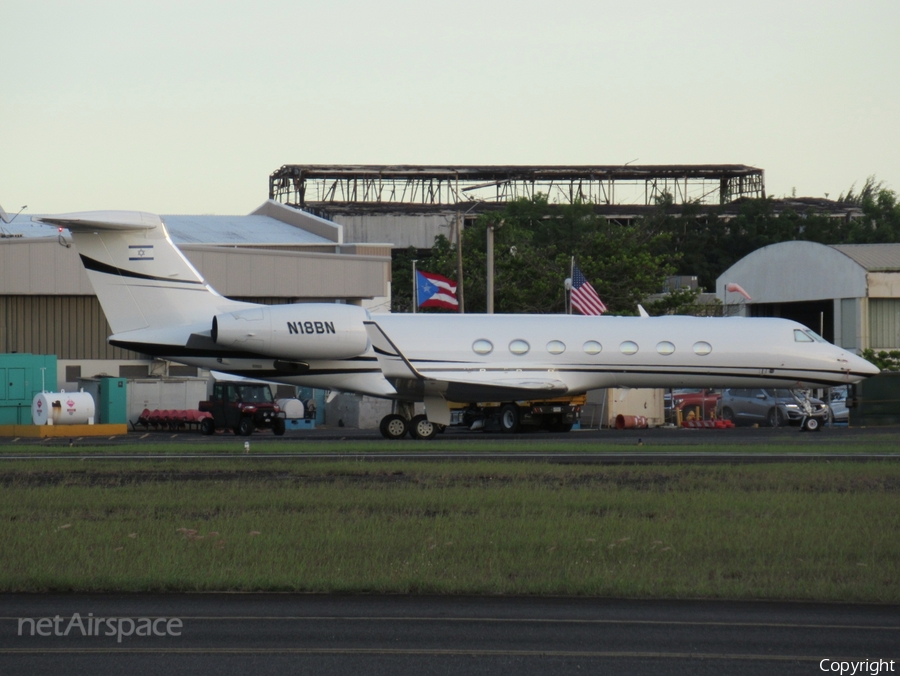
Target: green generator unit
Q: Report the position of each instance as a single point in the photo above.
(875, 401)
(21, 378)
(110, 399)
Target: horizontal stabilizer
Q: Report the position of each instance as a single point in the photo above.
(91, 221)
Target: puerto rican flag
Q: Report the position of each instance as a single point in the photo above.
(435, 291)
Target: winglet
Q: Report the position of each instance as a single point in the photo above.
(642, 311)
(392, 362)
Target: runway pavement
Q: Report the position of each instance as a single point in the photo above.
(290, 633)
(584, 458)
(665, 436)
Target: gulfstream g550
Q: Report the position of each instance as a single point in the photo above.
(157, 303)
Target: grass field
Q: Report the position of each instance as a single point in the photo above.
(818, 531)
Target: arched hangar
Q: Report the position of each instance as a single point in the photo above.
(850, 293)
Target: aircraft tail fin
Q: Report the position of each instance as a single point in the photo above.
(141, 278)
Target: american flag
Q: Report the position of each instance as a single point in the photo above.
(584, 298)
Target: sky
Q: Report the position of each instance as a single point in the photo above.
(187, 107)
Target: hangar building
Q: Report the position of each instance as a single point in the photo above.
(275, 255)
(849, 293)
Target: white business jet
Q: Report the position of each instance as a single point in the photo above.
(157, 303)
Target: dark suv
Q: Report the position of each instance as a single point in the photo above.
(772, 408)
(242, 407)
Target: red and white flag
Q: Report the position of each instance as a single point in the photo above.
(435, 290)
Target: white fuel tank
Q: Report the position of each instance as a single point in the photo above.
(62, 408)
(293, 408)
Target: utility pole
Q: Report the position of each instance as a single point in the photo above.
(459, 259)
(490, 266)
(415, 287)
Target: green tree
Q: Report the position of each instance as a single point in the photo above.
(708, 243)
(886, 361)
(534, 242)
(880, 221)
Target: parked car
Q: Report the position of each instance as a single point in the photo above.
(772, 408)
(839, 411)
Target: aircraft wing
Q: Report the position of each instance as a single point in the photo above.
(454, 385)
(392, 362)
(535, 383)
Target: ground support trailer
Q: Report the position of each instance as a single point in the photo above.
(553, 415)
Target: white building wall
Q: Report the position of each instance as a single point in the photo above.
(403, 230)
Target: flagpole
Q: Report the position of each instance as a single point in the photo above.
(571, 276)
(415, 287)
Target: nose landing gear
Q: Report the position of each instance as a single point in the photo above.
(811, 422)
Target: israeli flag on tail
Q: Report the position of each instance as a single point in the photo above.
(140, 252)
(436, 291)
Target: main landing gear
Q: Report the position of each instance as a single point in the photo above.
(401, 422)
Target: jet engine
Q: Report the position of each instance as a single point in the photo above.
(295, 332)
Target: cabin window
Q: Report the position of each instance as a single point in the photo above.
(802, 337)
(519, 346)
(665, 347)
(593, 347)
(702, 348)
(483, 346)
(556, 347)
(629, 347)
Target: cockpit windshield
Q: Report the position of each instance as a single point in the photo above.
(816, 336)
(807, 336)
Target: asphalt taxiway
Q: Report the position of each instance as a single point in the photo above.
(295, 633)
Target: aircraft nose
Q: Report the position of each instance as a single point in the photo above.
(862, 366)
